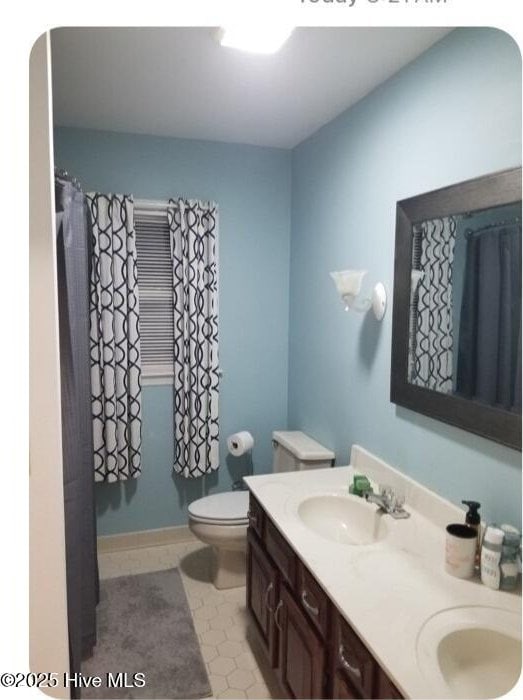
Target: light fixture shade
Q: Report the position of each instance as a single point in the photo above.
(255, 38)
(348, 282)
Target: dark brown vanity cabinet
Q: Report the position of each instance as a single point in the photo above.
(301, 657)
(313, 649)
(293, 646)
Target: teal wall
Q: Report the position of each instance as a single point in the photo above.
(252, 188)
(453, 114)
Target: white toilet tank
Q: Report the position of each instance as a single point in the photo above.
(295, 451)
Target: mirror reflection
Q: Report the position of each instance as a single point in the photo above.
(465, 306)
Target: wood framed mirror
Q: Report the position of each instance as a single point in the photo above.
(456, 329)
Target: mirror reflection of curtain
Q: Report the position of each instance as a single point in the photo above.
(489, 354)
(431, 341)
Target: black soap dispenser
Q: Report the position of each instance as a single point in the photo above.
(473, 520)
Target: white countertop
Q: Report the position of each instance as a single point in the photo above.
(389, 589)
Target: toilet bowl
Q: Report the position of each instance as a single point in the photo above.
(221, 520)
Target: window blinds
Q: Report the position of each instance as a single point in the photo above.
(155, 285)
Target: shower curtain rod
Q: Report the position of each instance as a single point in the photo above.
(497, 224)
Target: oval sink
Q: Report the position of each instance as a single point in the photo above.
(479, 663)
(475, 650)
(344, 519)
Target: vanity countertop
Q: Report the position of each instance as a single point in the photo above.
(390, 589)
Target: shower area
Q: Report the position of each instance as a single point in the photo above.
(133, 631)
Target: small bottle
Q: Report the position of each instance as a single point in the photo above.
(509, 557)
(473, 520)
(491, 556)
(512, 536)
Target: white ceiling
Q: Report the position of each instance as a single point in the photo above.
(181, 82)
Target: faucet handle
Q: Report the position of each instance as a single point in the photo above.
(395, 499)
(387, 493)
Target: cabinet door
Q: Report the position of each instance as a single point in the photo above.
(301, 666)
(342, 689)
(262, 591)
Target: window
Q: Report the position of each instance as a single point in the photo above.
(153, 251)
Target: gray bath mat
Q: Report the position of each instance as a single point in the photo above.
(145, 627)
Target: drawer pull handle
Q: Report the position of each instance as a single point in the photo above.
(310, 608)
(278, 608)
(267, 594)
(352, 669)
(253, 519)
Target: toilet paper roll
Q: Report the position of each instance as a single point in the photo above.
(240, 443)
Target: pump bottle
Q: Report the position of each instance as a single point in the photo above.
(473, 520)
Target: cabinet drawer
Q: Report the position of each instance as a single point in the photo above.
(353, 658)
(256, 516)
(281, 552)
(313, 600)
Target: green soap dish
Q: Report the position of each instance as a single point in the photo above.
(360, 485)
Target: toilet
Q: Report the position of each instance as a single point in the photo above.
(221, 520)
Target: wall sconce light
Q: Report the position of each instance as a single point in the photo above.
(348, 283)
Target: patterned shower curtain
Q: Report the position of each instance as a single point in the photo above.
(114, 339)
(194, 250)
(431, 333)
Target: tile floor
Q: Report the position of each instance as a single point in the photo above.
(235, 664)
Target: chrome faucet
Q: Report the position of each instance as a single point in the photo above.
(388, 501)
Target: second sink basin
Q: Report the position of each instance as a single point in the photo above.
(344, 519)
(474, 651)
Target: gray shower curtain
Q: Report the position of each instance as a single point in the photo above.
(77, 442)
(489, 354)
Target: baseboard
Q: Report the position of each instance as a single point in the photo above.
(145, 538)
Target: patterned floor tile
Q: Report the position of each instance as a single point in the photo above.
(235, 665)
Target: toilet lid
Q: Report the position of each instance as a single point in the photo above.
(228, 507)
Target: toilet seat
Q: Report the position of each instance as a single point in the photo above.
(221, 508)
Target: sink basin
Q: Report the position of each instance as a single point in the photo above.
(475, 651)
(479, 662)
(344, 519)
